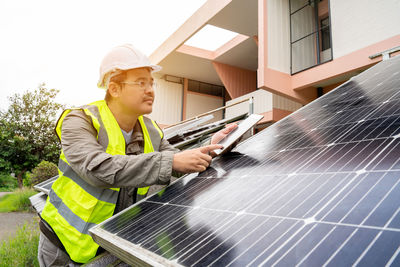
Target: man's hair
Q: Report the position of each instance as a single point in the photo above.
(119, 78)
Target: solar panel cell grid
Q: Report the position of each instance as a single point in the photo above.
(319, 188)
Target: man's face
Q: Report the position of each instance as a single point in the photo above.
(135, 98)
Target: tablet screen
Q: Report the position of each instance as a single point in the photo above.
(242, 128)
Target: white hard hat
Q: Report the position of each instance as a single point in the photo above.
(124, 57)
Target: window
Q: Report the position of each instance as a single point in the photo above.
(325, 34)
(310, 36)
(206, 88)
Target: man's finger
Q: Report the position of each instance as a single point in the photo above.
(206, 157)
(229, 128)
(203, 162)
(231, 125)
(206, 149)
(201, 168)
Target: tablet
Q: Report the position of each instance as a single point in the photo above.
(233, 136)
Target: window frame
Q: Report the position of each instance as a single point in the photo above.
(317, 31)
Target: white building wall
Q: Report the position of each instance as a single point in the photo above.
(278, 35)
(200, 103)
(167, 106)
(262, 103)
(284, 103)
(360, 23)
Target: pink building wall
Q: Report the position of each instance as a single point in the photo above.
(237, 81)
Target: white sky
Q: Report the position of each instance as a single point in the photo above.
(62, 43)
(216, 36)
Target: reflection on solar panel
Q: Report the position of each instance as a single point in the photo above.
(319, 188)
(38, 201)
(180, 128)
(201, 134)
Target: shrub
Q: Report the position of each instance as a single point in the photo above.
(27, 182)
(7, 182)
(42, 172)
(22, 248)
(17, 201)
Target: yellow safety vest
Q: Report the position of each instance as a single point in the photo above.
(73, 205)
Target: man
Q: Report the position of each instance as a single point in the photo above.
(110, 155)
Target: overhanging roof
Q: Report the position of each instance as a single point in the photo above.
(235, 15)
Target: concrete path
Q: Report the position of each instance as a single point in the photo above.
(4, 193)
(11, 221)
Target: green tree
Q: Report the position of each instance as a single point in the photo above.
(44, 171)
(27, 131)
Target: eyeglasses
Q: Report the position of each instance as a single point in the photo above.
(142, 84)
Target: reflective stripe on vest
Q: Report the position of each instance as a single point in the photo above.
(73, 205)
(148, 147)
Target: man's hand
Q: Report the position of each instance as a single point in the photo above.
(221, 134)
(194, 160)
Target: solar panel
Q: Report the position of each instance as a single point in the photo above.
(318, 188)
(200, 135)
(38, 201)
(182, 127)
(201, 131)
(45, 185)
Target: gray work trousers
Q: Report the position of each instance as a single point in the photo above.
(50, 255)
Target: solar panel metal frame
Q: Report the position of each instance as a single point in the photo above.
(124, 250)
(222, 122)
(45, 185)
(197, 136)
(180, 128)
(142, 257)
(205, 131)
(288, 140)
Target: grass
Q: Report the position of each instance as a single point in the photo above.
(17, 201)
(21, 249)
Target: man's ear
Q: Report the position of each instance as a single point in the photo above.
(114, 89)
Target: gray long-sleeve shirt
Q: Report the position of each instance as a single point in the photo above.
(100, 169)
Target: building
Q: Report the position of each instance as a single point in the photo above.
(285, 53)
